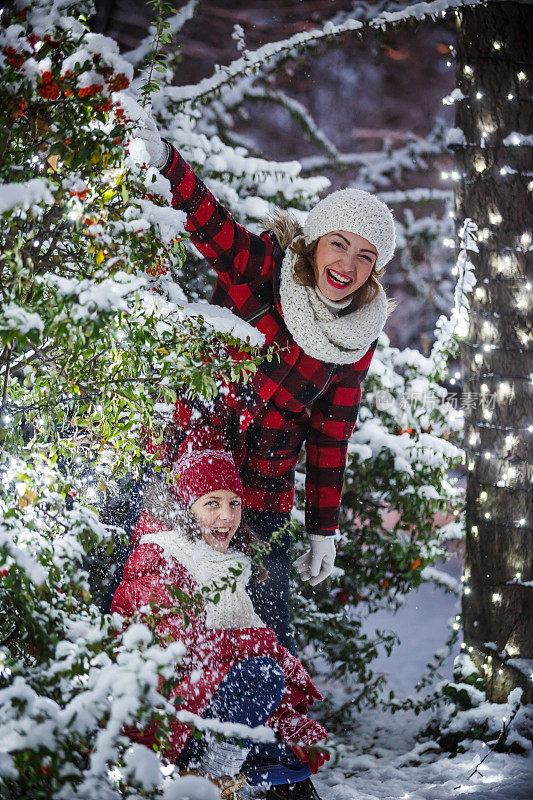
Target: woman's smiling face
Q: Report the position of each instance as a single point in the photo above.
(219, 516)
(343, 262)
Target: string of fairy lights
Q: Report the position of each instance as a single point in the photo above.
(504, 265)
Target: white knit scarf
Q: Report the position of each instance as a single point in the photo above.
(234, 610)
(318, 330)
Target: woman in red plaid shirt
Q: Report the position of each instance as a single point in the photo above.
(316, 296)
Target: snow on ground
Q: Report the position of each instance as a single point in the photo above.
(380, 759)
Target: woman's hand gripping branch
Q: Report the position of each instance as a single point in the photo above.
(157, 149)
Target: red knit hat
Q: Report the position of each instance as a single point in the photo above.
(202, 471)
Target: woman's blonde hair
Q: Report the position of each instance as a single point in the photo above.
(289, 234)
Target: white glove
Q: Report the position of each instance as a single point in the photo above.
(317, 563)
(156, 147)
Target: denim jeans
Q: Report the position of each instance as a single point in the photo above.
(248, 694)
(271, 598)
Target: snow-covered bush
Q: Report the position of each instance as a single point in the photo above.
(92, 346)
(396, 484)
(463, 714)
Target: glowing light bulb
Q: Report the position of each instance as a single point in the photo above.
(521, 75)
(467, 590)
(511, 440)
(478, 358)
(495, 218)
(474, 530)
(468, 70)
(497, 45)
(479, 95)
(510, 96)
(504, 390)
(496, 597)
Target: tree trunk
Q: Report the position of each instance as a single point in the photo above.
(495, 163)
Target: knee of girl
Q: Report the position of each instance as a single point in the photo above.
(264, 673)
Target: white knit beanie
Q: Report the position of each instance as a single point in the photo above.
(355, 211)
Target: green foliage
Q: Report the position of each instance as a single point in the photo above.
(396, 486)
(461, 714)
(157, 61)
(92, 350)
(89, 342)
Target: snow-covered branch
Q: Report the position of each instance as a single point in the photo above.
(268, 56)
(299, 112)
(455, 326)
(175, 22)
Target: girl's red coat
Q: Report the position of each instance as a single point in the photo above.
(149, 576)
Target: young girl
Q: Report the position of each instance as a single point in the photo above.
(234, 669)
(315, 294)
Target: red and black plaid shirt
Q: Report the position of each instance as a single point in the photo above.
(297, 399)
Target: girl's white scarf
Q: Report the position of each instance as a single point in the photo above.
(207, 566)
(318, 330)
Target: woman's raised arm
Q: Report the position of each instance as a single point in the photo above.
(234, 252)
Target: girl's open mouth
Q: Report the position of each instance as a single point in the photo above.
(220, 534)
(337, 279)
